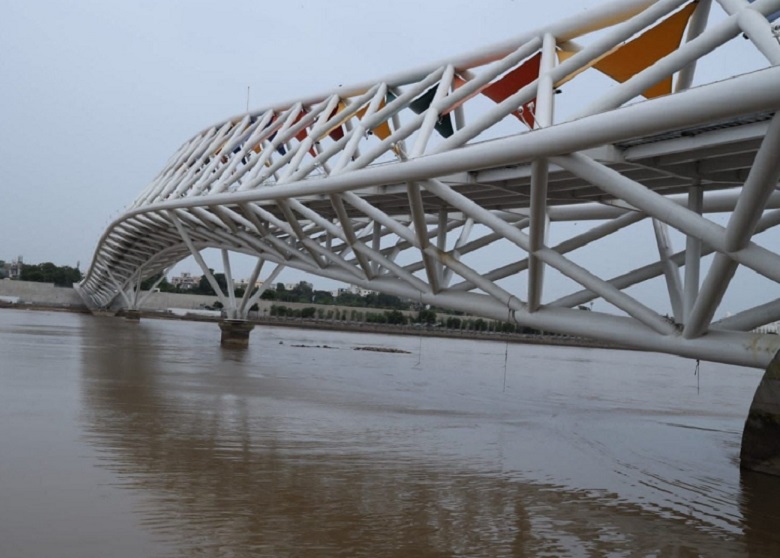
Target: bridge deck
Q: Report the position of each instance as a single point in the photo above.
(719, 157)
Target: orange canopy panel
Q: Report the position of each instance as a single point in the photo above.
(627, 60)
(382, 131)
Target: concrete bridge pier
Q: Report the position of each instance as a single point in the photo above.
(761, 436)
(235, 333)
(132, 315)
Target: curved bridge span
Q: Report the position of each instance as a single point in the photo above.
(403, 184)
(398, 185)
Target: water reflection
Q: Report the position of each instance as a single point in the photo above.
(234, 466)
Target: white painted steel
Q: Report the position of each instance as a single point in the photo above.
(326, 184)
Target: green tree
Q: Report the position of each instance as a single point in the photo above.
(382, 300)
(347, 298)
(204, 286)
(426, 316)
(453, 323)
(268, 295)
(308, 312)
(395, 317)
(163, 285)
(322, 297)
(281, 311)
(47, 272)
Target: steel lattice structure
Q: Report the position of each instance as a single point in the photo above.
(392, 185)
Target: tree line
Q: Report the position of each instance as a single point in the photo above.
(427, 317)
(47, 272)
(303, 293)
(393, 307)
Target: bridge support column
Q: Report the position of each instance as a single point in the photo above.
(761, 437)
(132, 315)
(235, 333)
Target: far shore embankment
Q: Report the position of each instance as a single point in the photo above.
(26, 295)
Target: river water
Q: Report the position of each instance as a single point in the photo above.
(127, 440)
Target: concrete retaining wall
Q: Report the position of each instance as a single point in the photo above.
(161, 301)
(40, 293)
(46, 294)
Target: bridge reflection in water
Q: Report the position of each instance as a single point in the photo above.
(310, 451)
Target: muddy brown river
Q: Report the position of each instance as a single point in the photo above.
(131, 440)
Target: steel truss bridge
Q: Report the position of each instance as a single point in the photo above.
(398, 185)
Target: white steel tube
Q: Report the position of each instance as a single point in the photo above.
(552, 258)
(264, 287)
(421, 230)
(713, 288)
(159, 280)
(198, 258)
(693, 253)
(230, 287)
(537, 230)
(695, 28)
(242, 307)
(757, 258)
(347, 232)
(671, 270)
(751, 318)
(759, 31)
(471, 275)
(376, 244)
(564, 247)
(456, 250)
(760, 184)
(441, 242)
(432, 115)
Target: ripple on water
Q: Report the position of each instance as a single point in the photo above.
(289, 451)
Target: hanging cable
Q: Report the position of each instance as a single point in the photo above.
(696, 372)
(419, 348)
(506, 345)
(506, 357)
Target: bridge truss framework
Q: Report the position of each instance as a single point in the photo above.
(396, 185)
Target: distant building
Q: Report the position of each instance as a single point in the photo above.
(185, 281)
(774, 327)
(293, 286)
(354, 289)
(244, 284)
(13, 270)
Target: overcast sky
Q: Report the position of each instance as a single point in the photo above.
(95, 96)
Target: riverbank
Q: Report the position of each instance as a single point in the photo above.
(26, 295)
(415, 330)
